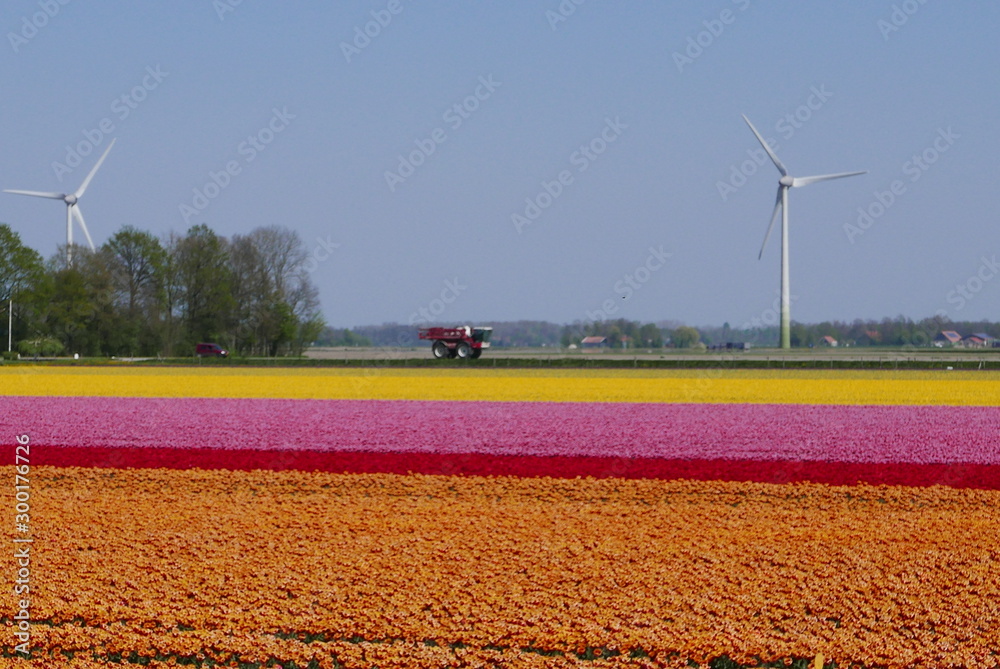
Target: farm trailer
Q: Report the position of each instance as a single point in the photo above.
(460, 342)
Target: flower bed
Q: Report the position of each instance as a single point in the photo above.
(400, 571)
(750, 442)
(560, 520)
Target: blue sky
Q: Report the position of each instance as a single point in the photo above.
(596, 165)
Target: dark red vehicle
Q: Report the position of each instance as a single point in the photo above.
(206, 350)
(460, 342)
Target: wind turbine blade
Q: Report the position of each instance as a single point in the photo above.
(774, 158)
(86, 233)
(805, 181)
(34, 193)
(774, 216)
(86, 182)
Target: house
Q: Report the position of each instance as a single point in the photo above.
(594, 342)
(988, 341)
(974, 341)
(947, 338)
(827, 340)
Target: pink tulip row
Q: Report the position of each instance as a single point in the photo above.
(745, 432)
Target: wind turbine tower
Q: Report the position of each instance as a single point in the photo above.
(784, 183)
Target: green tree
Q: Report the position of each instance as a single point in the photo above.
(685, 337)
(205, 285)
(276, 303)
(71, 310)
(21, 272)
(171, 294)
(135, 261)
(799, 335)
(650, 336)
(20, 266)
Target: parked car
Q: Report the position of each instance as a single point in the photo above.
(210, 350)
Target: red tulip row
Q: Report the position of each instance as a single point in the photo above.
(985, 477)
(907, 445)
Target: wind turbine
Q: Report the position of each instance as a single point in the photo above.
(784, 183)
(72, 201)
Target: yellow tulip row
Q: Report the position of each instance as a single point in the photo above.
(410, 571)
(711, 385)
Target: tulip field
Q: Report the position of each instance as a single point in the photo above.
(394, 518)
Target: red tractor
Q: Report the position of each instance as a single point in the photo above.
(460, 342)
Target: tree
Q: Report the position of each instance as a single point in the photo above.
(21, 271)
(76, 306)
(329, 336)
(205, 284)
(650, 336)
(20, 267)
(252, 295)
(799, 335)
(276, 303)
(307, 332)
(135, 261)
(685, 337)
(171, 295)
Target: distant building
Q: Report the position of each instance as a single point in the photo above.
(594, 342)
(827, 340)
(974, 341)
(988, 341)
(948, 338)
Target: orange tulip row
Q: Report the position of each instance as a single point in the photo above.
(409, 571)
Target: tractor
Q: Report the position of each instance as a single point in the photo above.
(461, 342)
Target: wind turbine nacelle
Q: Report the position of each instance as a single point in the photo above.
(787, 181)
(70, 199)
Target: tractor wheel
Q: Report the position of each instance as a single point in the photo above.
(463, 350)
(440, 349)
(476, 352)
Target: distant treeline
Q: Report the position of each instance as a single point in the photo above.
(621, 333)
(138, 295)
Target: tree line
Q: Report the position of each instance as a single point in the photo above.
(139, 295)
(621, 333)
